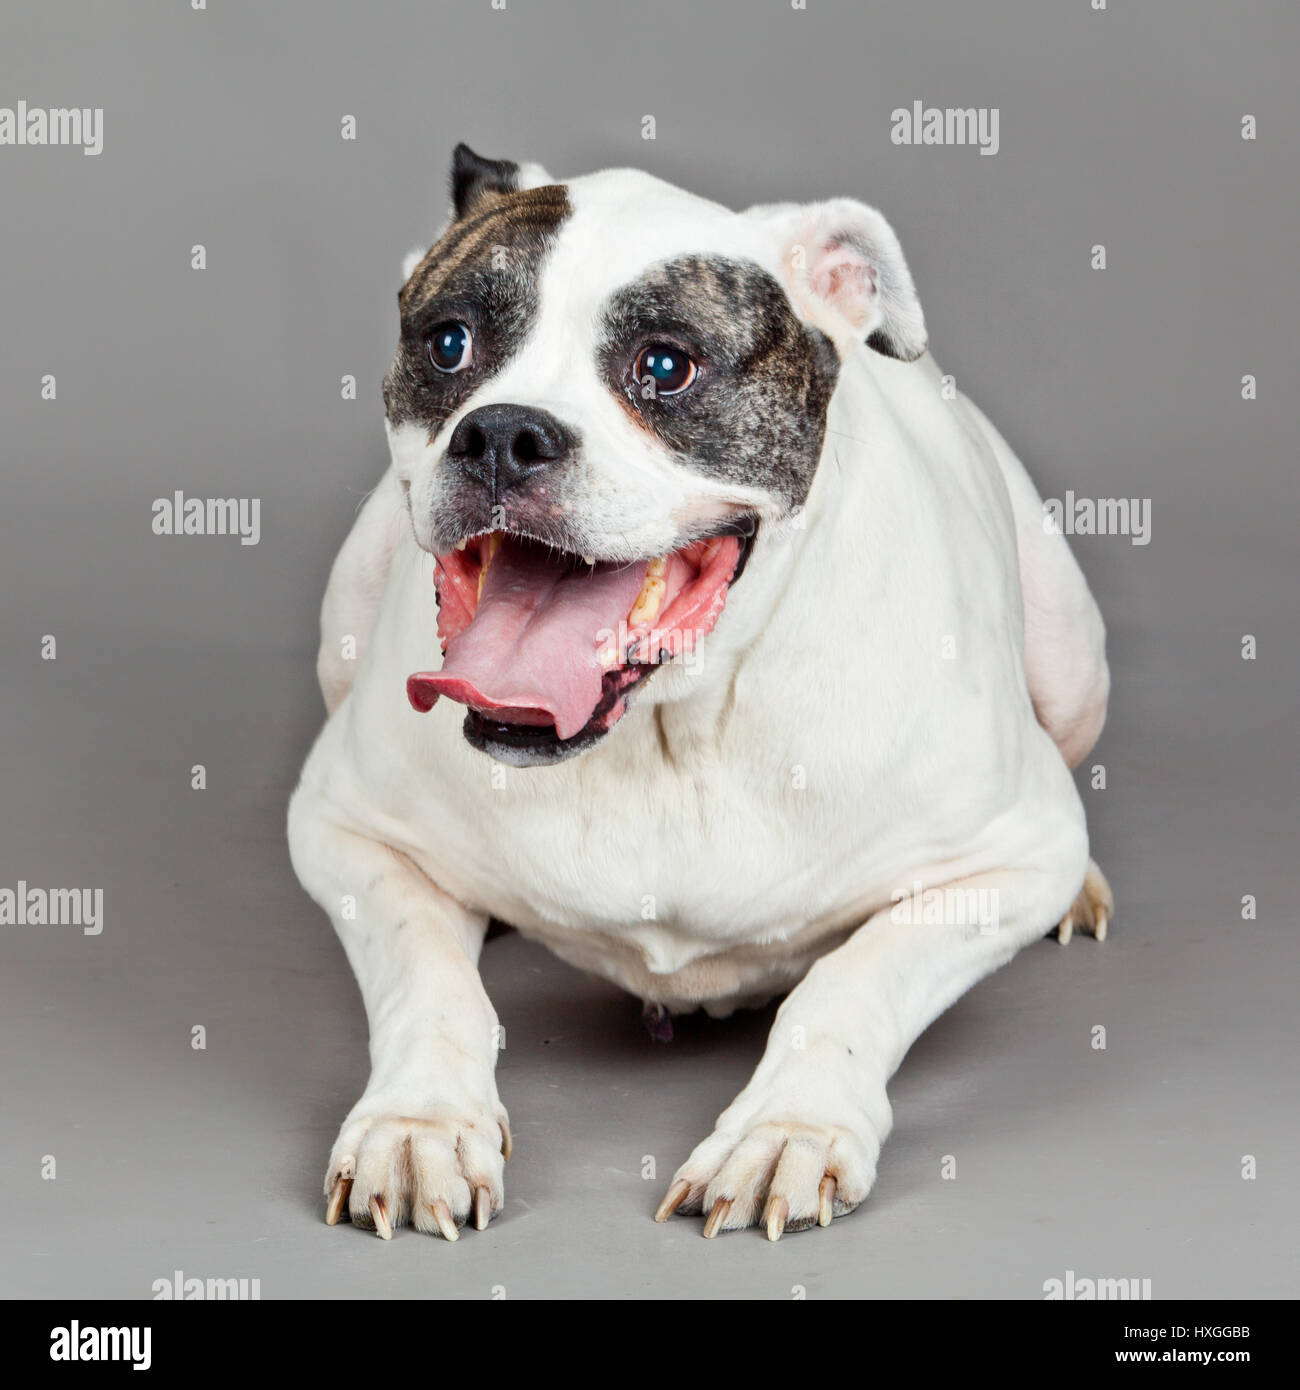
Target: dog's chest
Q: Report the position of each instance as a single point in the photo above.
(720, 866)
(656, 918)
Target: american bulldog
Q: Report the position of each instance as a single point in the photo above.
(701, 631)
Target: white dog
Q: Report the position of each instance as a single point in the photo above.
(843, 775)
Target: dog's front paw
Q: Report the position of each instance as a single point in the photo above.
(786, 1172)
(434, 1171)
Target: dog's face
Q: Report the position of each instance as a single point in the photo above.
(601, 391)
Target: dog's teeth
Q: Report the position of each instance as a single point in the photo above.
(651, 598)
(589, 560)
(493, 545)
(607, 656)
(462, 543)
(648, 601)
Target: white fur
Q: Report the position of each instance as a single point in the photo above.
(845, 269)
(753, 822)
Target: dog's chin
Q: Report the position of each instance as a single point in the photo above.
(525, 745)
(547, 649)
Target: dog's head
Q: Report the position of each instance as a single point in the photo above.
(601, 391)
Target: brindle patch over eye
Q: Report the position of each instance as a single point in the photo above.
(757, 413)
(482, 272)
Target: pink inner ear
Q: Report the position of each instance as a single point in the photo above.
(842, 276)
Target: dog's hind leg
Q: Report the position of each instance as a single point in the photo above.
(356, 585)
(1064, 655)
(1065, 638)
(1092, 910)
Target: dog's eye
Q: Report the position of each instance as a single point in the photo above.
(663, 370)
(450, 347)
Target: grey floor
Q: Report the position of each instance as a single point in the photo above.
(222, 128)
(1121, 1163)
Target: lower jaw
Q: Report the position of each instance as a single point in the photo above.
(522, 745)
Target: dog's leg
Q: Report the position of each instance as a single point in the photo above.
(1092, 910)
(800, 1142)
(356, 584)
(1065, 653)
(1065, 637)
(426, 1142)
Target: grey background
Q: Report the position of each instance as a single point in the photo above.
(222, 127)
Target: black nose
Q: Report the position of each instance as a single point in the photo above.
(504, 445)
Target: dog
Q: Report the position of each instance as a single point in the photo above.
(700, 630)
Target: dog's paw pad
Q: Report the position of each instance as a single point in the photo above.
(1092, 910)
(434, 1172)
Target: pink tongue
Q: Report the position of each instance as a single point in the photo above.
(528, 655)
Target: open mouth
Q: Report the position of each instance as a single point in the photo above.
(546, 647)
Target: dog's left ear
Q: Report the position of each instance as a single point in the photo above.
(472, 179)
(845, 270)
